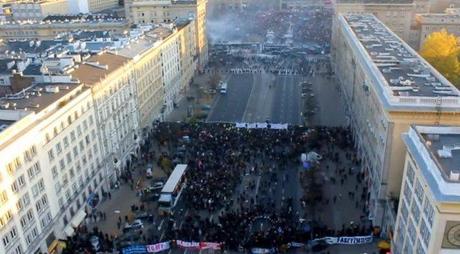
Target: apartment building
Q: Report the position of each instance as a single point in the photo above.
(428, 219)
(51, 26)
(427, 23)
(387, 87)
(51, 165)
(152, 11)
(91, 6)
(38, 10)
(112, 83)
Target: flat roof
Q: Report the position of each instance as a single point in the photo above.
(402, 77)
(97, 67)
(436, 150)
(37, 97)
(374, 1)
(139, 45)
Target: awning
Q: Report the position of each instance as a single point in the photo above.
(78, 218)
(69, 230)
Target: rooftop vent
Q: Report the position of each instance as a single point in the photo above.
(52, 89)
(454, 175)
(446, 151)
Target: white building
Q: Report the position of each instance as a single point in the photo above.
(50, 165)
(428, 219)
(113, 87)
(387, 87)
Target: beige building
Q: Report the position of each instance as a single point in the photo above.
(155, 12)
(101, 5)
(38, 10)
(113, 87)
(50, 28)
(428, 219)
(50, 166)
(428, 23)
(387, 87)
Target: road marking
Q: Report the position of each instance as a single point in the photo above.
(249, 99)
(161, 224)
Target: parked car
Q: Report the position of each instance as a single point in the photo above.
(145, 217)
(136, 225)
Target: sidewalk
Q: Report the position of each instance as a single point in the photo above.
(199, 85)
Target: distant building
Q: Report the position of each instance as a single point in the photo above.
(428, 23)
(387, 87)
(38, 10)
(153, 11)
(51, 26)
(428, 219)
(440, 5)
(91, 6)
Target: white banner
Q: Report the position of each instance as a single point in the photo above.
(154, 248)
(184, 244)
(276, 126)
(349, 240)
(208, 245)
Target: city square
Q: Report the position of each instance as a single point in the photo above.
(230, 126)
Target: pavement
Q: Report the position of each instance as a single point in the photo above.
(257, 97)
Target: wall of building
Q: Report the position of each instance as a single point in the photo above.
(39, 10)
(49, 31)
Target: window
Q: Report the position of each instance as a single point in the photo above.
(415, 212)
(69, 158)
(408, 248)
(21, 181)
(407, 192)
(66, 142)
(41, 185)
(54, 172)
(75, 151)
(58, 148)
(428, 211)
(14, 187)
(72, 136)
(78, 130)
(411, 231)
(410, 173)
(3, 197)
(62, 164)
(425, 233)
(51, 155)
(419, 191)
(26, 199)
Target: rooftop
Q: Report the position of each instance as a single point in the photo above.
(375, 1)
(436, 150)
(37, 97)
(400, 75)
(31, 46)
(147, 40)
(97, 67)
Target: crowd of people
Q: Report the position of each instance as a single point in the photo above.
(220, 155)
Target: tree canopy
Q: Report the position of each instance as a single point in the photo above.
(442, 50)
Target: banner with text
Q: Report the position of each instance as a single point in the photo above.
(154, 248)
(349, 240)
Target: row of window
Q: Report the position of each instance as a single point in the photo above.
(70, 119)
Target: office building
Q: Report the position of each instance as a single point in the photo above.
(428, 218)
(50, 167)
(387, 87)
(428, 23)
(154, 12)
(38, 10)
(51, 26)
(91, 6)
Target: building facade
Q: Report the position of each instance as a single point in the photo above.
(151, 12)
(396, 15)
(428, 23)
(113, 88)
(38, 10)
(387, 86)
(50, 29)
(428, 219)
(53, 167)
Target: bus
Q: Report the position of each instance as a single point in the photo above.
(172, 190)
(223, 87)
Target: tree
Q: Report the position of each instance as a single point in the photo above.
(442, 50)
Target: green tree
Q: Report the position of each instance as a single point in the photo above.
(442, 50)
